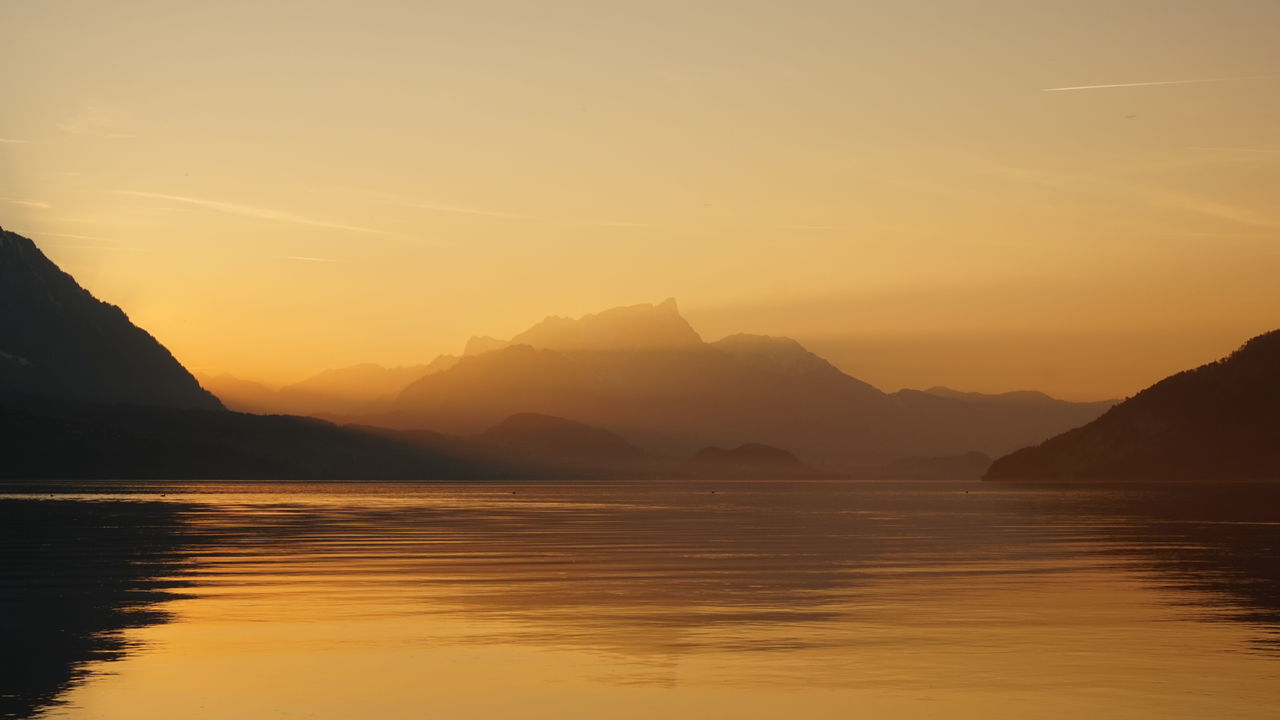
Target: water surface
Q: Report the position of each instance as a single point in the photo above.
(661, 600)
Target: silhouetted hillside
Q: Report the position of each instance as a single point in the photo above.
(1220, 421)
(46, 438)
(57, 339)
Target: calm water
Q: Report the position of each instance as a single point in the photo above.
(757, 600)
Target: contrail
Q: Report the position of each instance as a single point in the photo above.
(1139, 84)
(305, 258)
(28, 203)
(1262, 151)
(250, 211)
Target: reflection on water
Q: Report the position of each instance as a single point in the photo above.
(746, 600)
(75, 576)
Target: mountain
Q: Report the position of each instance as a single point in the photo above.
(482, 344)
(786, 357)
(638, 327)
(343, 391)
(1032, 398)
(546, 435)
(56, 339)
(991, 424)
(746, 460)
(1220, 421)
(51, 438)
(644, 372)
(348, 388)
(242, 395)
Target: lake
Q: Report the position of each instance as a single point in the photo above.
(134, 601)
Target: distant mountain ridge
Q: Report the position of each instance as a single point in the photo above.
(340, 391)
(1220, 421)
(57, 339)
(643, 372)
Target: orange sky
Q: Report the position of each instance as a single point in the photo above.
(902, 186)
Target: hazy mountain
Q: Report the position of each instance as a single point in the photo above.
(643, 372)
(638, 327)
(348, 388)
(1017, 397)
(57, 339)
(746, 460)
(546, 435)
(351, 390)
(1220, 421)
(242, 395)
(479, 345)
(954, 422)
(784, 356)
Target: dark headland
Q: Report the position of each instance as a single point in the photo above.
(1220, 421)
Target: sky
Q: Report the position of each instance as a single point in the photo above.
(1078, 197)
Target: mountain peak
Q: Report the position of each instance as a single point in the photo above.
(60, 340)
(481, 344)
(634, 327)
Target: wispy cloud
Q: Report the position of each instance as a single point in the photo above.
(76, 237)
(1154, 195)
(449, 208)
(27, 203)
(1257, 151)
(304, 258)
(17, 141)
(251, 211)
(1140, 84)
(416, 204)
(96, 120)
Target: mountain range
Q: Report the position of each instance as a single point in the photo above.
(643, 372)
(632, 391)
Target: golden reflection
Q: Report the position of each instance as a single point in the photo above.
(650, 600)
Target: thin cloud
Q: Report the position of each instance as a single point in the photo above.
(111, 248)
(28, 203)
(304, 258)
(15, 141)
(413, 203)
(1259, 151)
(76, 237)
(1139, 84)
(96, 120)
(433, 206)
(251, 211)
(1165, 197)
(618, 224)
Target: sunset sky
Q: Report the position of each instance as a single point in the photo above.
(923, 192)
